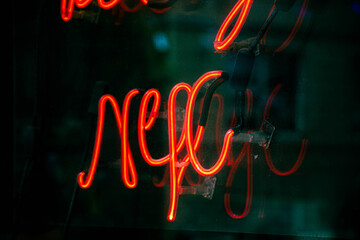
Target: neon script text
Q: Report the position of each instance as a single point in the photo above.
(187, 141)
(242, 8)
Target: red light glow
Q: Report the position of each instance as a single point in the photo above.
(189, 130)
(145, 126)
(128, 171)
(173, 150)
(176, 168)
(221, 43)
(67, 6)
(107, 5)
(243, 8)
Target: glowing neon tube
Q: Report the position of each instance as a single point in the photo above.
(67, 7)
(82, 3)
(189, 130)
(243, 8)
(173, 149)
(144, 125)
(107, 5)
(125, 147)
(128, 168)
(198, 138)
(175, 170)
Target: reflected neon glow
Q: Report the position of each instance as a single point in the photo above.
(128, 9)
(128, 172)
(304, 142)
(294, 30)
(246, 150)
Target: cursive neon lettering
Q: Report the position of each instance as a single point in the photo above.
(221, 43)
(173, 150)
(189, 130)
(128, 172)
(243, 8)
(67, 6)
(107, 5)
(176, 168)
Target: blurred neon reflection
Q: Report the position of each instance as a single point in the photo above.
(294, 30)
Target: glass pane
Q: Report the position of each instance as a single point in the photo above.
(193, 119)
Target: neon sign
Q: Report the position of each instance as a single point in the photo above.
(243, 8)
(67, 6)
(176, 166)
(188, 141)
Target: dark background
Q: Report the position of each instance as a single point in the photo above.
(55, 67)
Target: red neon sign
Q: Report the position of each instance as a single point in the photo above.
(187, 141)
(67, 6)
(176, 167)
(242, 7)
(128, 9)
(221, 43)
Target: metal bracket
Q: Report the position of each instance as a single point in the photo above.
(262, 137)
(206, 188)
